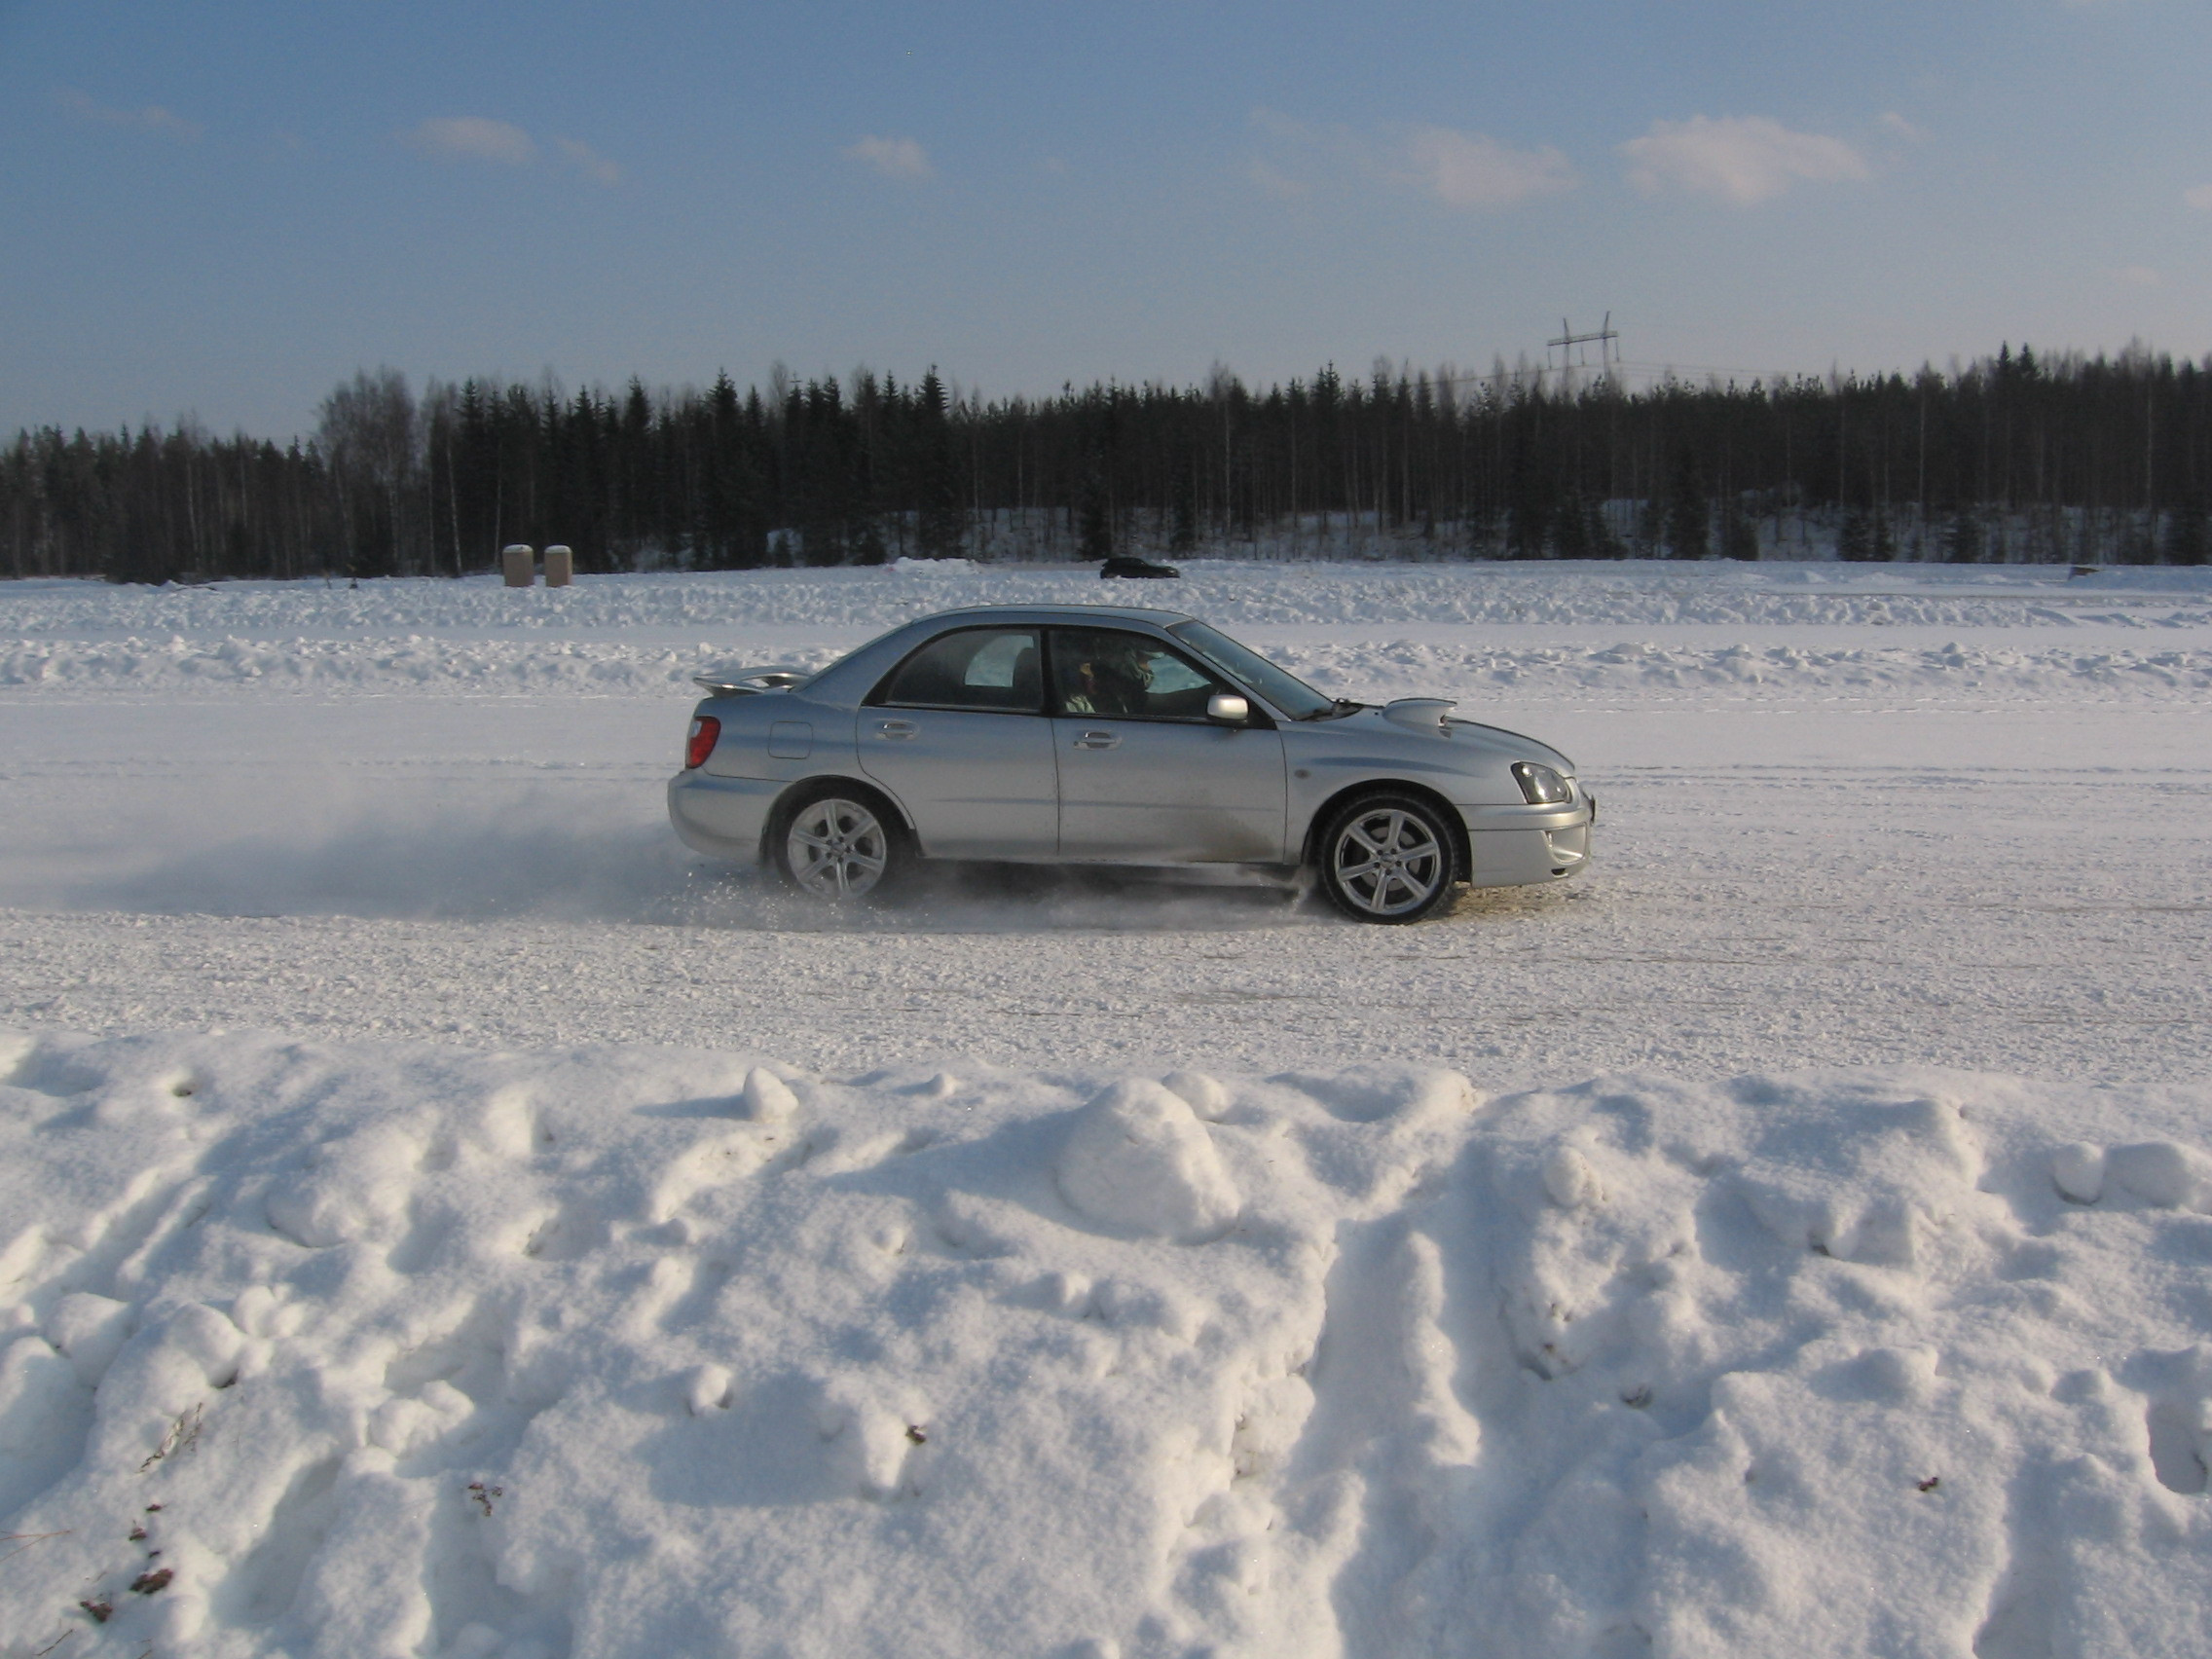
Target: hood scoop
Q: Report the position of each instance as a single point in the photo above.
(1419, 714)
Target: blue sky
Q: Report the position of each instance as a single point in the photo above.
(223, 209)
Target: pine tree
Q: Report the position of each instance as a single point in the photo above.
(1603, 543)
(1570, 530)
(938, 525)
(2187, 539)
(1094, 532)
(1855, 540)
(1183, 508)
(1738, 535)
(1688, 514)
(1650, 527)
(868, 542)
(727, 536)
(635, 496)
(1963, 539)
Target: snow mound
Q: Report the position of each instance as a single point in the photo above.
(1138, 1157)
(394, 1350)
(500, 668)
(644, 636)
(1249, 593)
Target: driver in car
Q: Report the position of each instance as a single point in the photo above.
(1113, 677)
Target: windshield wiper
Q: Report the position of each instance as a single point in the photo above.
(1336, 711)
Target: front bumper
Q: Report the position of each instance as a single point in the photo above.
(724, 818)
(1523, 846)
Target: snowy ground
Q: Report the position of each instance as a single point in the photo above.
(526, 1240)
(1851, 817)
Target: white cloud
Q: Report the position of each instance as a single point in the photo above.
(1466, 169)
(1460, 170)
(1744, 158)
(589, 161)
(1276, 125)
(474, 137)
(153, 118)
(1273, 182)
(1898, 126)
(893, 157)
(2199, 197)
(479, 139)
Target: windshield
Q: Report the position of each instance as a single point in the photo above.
(1292, 695)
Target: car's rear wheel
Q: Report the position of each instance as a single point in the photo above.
(839, 845)
(1388, 858)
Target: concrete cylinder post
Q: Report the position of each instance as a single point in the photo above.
(519, 560)
(559, 566)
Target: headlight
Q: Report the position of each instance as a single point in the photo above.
(1540, 786)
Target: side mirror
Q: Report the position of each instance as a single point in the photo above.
(1226, 708)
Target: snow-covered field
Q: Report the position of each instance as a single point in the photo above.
(439, 1217)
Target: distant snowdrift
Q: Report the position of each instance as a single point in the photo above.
(1227, 592)
(497, 668)
(393, 1350)
(1643, 668)
(1650, 671)
(647, 636)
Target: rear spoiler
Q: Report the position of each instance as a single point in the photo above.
(751, 681)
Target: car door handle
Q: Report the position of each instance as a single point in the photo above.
(896, 729)
(1097, 740)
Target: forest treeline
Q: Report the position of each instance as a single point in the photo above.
(2015, 458)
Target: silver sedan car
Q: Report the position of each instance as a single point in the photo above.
(1080, 734)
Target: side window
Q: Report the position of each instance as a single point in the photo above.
(976, 668)
(1101, 671)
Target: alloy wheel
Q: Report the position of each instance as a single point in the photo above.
(836, 849)
(1388, 862)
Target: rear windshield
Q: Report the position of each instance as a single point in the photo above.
(1286, 691)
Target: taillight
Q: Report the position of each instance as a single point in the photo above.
(706, 733)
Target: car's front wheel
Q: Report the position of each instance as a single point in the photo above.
(1388, 858)
(838, 843)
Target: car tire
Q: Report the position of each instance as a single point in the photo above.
(839, 842)
(1388, 858)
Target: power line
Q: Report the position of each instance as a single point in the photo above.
(1618, 367)
(1606, 339)
(1705, 368)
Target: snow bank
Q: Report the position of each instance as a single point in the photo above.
(1645, 668)
(1229, 592)
(386, 1351)
(1651, 671)
(498, 668)
(1387, 630)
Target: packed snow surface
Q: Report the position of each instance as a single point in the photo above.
(439, 1217)
(396, 1350)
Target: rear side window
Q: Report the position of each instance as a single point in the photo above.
(976, 668)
